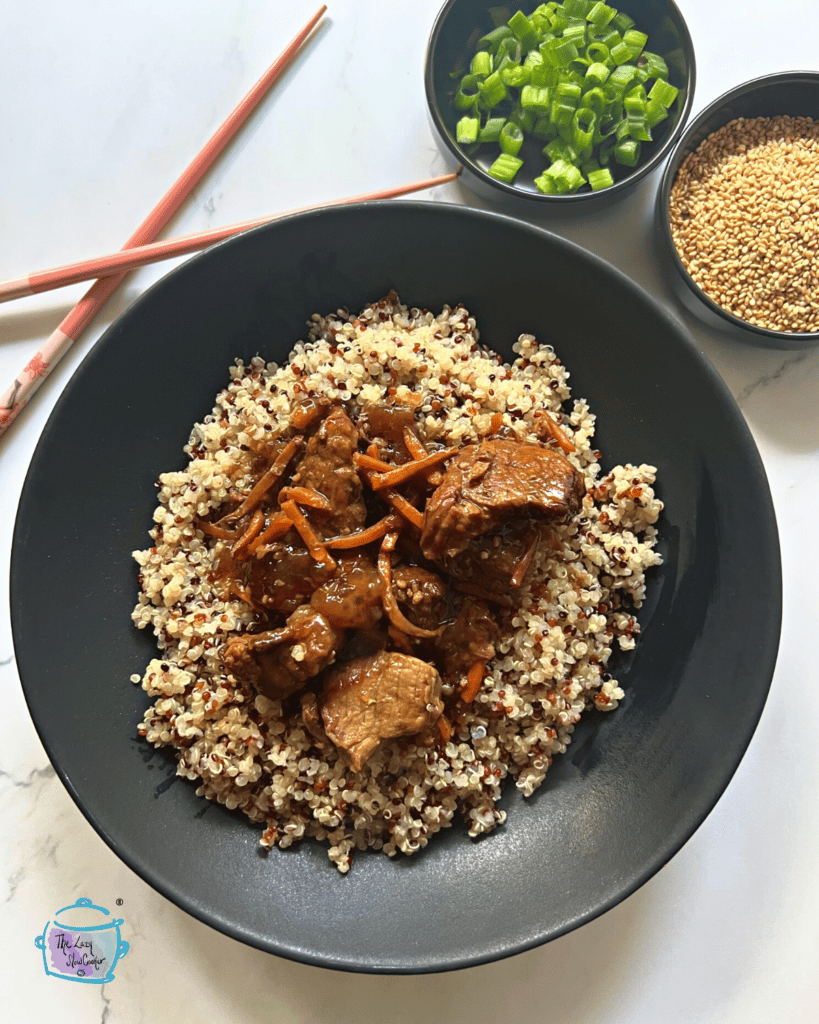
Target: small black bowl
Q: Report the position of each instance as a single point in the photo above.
(459, 25)
(793, 93)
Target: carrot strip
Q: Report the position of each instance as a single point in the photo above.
(361, 537)
(275, 529)
(254, 529)
(417, 450)
(308, 534)
(371, 462)
(526, 558)
(556, 432)
(305, 496)
(444, 728)
(408, 511)
(474, 678)
(388, 599)
(410, 469)
(266, 481)
(211, 530)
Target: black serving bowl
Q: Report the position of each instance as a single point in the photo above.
(793, 93)
(459, 25)
(635, 783)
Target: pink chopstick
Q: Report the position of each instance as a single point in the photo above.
(50, 353)
(142, 255)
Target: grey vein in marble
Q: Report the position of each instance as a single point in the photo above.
(778, 374)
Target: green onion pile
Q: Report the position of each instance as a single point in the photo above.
(576, 77)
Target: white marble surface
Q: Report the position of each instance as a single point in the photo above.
(103, 107)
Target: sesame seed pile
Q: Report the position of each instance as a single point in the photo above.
(552, 665)
(744, 212)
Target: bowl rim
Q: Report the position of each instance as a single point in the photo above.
(678, 153)
(639, 172)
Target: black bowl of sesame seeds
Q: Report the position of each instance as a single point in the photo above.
(738, 212)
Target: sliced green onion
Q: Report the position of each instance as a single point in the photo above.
(655, 112)
(481, 63)
(663, 92)
(654, 64)
(600, 15)
(638, 127)
(558, 149)
(492, 90)
(622, 22)
(467, 129)
(491, 40)
(566, 176)
(627, 152)
(636, 40)
(621, 53)
(506, 167)
(511, 138)
(545, 183)
(534, 98)
(515, 75)
(601, 178)
(491, 130)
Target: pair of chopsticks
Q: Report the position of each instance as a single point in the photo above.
(140, 249)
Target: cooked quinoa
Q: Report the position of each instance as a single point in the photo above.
(248, 752)
(744, 213)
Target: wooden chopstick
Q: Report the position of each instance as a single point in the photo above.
(38, 368)
(142, 255)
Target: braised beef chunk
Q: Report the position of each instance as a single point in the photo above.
(285, 578)
(490, 483)
(279, 662)
(496, 565)
(386, 424)
(327, 467)
(380, 697)
(471, 637)
(421, 595)
(352, 598)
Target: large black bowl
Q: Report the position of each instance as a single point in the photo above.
(459, 25)
(634, 785)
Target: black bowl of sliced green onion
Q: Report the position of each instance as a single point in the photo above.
(568, 101)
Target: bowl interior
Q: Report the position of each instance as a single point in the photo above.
(634, 785)
(792, 93)
(461, 23)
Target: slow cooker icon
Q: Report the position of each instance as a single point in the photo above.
(81, 946)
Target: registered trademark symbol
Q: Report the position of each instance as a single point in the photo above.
(119, 903)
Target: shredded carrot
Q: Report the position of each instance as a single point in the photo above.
(215, 531)
(410, 469)
(526, 558)
(444, 728)
(275, 529)
(408, 511)
(416, 449)
(308, 534)
(361, 537)
(266, 481)
(305, 496)
(556, 432)
(474, 678)
(388, 599)
(254, 529)
(371, 462)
